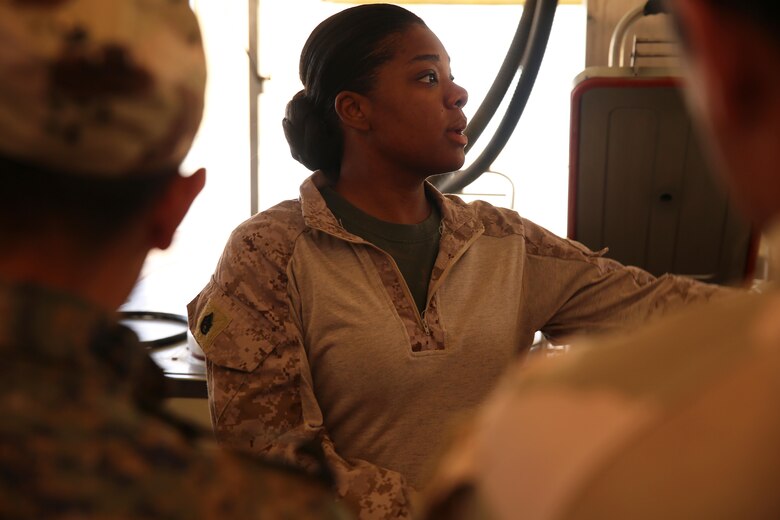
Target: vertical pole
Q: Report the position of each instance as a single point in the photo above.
(255, 88)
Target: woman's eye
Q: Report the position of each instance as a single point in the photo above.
(429, 77)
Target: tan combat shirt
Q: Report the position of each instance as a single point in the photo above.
(310, 333)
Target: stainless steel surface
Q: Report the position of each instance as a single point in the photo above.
(185, 370)
(182, 363)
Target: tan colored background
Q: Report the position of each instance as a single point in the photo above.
(603, 16)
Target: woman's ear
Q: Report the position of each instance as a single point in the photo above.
(353, 110)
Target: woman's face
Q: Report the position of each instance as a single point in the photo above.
(416, 117)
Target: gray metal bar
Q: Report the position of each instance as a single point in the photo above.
(255, 88)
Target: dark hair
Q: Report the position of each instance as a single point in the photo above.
(342, 53)
(93, 210)
(765, 13)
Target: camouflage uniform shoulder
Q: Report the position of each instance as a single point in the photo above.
(113, 462)
(84, 434)
(503, 222)
(542, 242)
(110, 461)
(499, 222)
(271, 233)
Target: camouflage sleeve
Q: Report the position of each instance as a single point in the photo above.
(589, 293)
(220, 484)
(260, 387)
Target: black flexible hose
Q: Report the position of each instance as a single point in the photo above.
(540, 34)
(158, 316)
(507, 72)
(655, 7)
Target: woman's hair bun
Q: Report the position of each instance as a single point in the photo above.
(313, 140)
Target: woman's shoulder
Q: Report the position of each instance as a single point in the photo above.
(497, 221)
(272, 232)
(500, 222)
(282, 222)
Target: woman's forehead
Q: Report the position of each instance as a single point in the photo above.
(418, 43)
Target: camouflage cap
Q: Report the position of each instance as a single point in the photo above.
(99, 87)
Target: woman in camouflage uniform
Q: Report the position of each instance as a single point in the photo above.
(371, 312)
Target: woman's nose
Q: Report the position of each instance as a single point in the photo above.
(458, 96)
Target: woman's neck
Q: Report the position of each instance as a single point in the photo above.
(387, 196)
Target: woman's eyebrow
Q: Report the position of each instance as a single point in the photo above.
(426, 57)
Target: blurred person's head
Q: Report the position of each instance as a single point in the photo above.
(99, 104)
(732, 54)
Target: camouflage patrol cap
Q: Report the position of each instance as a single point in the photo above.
(99, 87)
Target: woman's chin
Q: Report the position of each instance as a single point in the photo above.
(452, 165)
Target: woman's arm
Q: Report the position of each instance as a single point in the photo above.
(584, 292)
(257, 413)
(260, 386)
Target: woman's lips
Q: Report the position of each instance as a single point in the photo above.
(457, 135)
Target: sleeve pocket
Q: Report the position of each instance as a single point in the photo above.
(230, 334)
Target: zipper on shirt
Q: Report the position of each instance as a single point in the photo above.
(420, 317)
(410, 300)
(425, 324)
(451, 263)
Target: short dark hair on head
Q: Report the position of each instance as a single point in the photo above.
(342, 53)
(765, 13)
(92, 210)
